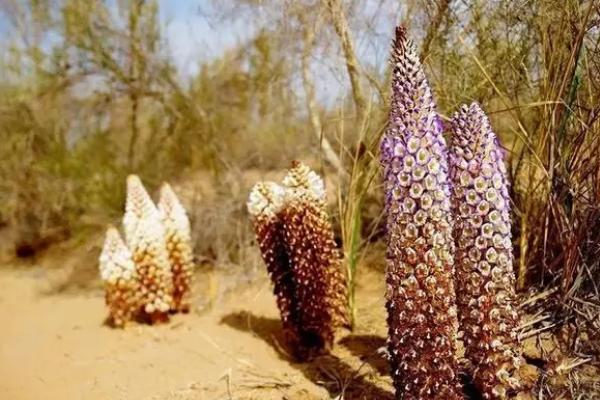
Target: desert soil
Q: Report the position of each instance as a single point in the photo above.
(54, 345)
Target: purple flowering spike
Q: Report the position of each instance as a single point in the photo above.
(486, 296)
(420, 296)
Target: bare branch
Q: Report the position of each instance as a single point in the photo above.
(340, 24)
(309, 88)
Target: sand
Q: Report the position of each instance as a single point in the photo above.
(55, 345)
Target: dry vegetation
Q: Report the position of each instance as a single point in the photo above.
(90, 93)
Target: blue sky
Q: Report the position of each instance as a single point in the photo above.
(187, 27)
(195, 34)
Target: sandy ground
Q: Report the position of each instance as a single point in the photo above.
(55, 346)
(54, 343)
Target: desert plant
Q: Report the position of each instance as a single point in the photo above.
(145, 237)
(358, 227)
(310, 239)
(297, 244)
(300, 176)
(420, 295)
(179, 245)
(264, 205)
(485, 278)
(119, 275)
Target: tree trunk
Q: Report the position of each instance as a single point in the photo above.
(328, 153)
(340, 24)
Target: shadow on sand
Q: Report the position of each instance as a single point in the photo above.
(370, 349)
(328, 371)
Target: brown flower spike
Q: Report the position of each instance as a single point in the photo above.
(146, 241)
(486, 296)
(117, 271)
(179, 246)
(264, 204)
(306, 190)
(297, 244)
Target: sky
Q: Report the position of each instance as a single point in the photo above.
(195, 34)
(188, 28)
(194, 37)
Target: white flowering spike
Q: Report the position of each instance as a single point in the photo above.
(300, 176)
(179, 245)
(145, 237)
(138, 205)
(265, 200)
(119, 275)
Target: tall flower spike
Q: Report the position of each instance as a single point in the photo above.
(420, 295)
(179, 245)
(486, 296)
(301, 178)
(264, 205)
(297, 244)
(145, 236)
(316, 262)
(117, 271)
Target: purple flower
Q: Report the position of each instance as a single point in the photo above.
(486, 296)
(420, 295)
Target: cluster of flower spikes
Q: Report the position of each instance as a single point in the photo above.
(145, 237)
(179, 245)
(297, 244)
(420, 296)
(118, 273)
(486, 297)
